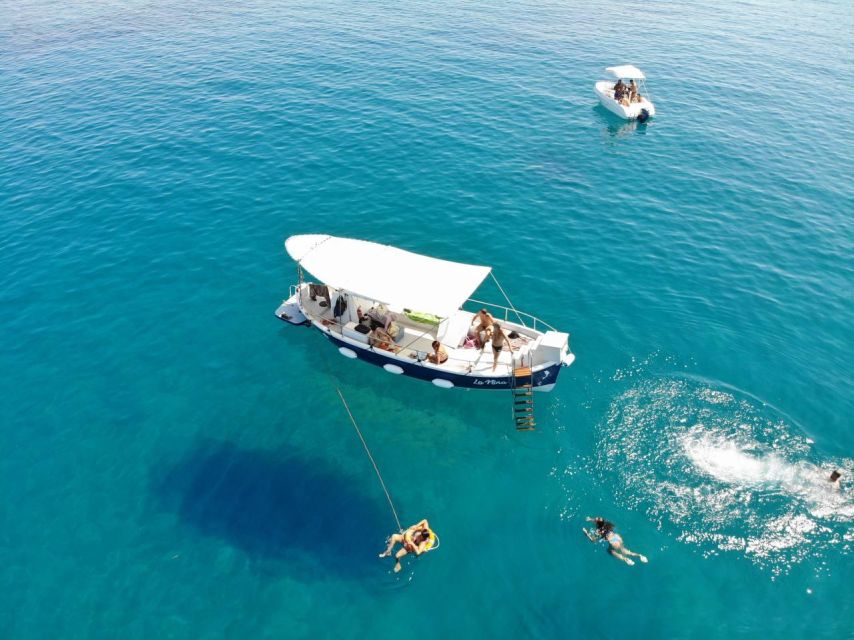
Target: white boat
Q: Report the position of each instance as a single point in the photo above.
(425, 297)
(640, 110)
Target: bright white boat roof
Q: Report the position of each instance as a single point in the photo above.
(387, 274)
(627, 71)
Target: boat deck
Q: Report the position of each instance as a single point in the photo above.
(417, 338)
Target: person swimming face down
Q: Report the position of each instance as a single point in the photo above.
(605, 531)
(603, 527)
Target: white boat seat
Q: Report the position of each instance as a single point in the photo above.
(467, 355)
(349, 331)
(416, 339)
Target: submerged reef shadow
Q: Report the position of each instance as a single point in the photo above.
(275, 506)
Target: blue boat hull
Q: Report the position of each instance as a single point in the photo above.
(547, 376)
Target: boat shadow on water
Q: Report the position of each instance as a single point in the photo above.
(276, 507)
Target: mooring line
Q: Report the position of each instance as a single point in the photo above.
(373, 462)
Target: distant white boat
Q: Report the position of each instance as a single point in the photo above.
(641, 109)
(424, 296)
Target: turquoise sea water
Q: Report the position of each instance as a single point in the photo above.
(175, 462)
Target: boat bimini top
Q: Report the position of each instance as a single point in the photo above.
(387, 274)
(626, 72)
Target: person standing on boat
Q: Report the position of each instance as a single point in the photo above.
(634, 96)
(416, 539)
(499, 339)
(605, 531)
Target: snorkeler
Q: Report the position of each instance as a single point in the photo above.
(605, 531)
(416, 539)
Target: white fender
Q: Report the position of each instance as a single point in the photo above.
(347, 353)
(444, 384)
(393, 368)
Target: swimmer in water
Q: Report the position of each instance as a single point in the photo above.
(605, 531)
(834, 479)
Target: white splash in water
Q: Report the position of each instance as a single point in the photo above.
(732, 463)
(725, 471)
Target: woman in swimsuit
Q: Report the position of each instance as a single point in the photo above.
(499, 339)
(440, 354)
(415, 539)
(605, 531)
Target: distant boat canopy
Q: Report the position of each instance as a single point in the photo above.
(386, 274)
(626, 72)
(630, 102)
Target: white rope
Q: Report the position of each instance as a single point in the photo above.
(498, 284)
(390, 503)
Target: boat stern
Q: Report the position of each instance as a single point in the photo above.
(290, 311)
(552, 347)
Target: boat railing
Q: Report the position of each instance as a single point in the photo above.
(510, 313)
(463, 365)
(406, 349)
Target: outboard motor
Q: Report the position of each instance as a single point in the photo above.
(643, 116)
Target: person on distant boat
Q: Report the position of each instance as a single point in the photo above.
(499, 339)
(440, 355)
(619, 90)
(484, 327)
(634, 96)
(605, 531)
(416, 539)
(835, 479)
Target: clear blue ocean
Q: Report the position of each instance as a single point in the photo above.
(174, 460)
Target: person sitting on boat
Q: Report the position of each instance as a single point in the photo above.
(377, 316)
(499, 339)
(619, 90)
(416, 539)
(605, 531)
(380, 338)
(440, 355)
(395, 331)
(483, 329)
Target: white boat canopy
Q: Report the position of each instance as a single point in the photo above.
(626, 71)
(386, 274)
